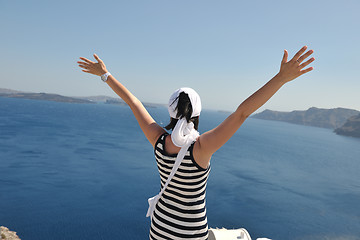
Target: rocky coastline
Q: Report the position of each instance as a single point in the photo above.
(6, 234)
(342, 120)
(350, 128)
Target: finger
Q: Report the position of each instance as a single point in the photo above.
(298, 54)
(82, 63)
(86, 60)
(307, 54)
(284, 60)
(307, 62)
(97, 58)
(84, 66)
(87, 71)
(306, 70)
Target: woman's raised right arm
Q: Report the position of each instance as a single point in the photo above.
(147, 124)
(211, 141)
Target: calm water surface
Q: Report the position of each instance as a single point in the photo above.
(85, 171)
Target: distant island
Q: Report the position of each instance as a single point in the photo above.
(344, 121)
(59, 98)
(119, 101)
(41, 96)
(351, 127)
(47, 97)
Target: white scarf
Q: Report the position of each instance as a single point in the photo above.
(194, 99)
(183, 133)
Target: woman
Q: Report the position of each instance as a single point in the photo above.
(179, 211)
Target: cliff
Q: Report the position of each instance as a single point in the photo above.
(317, 117)
(350, 128)
(6, 234)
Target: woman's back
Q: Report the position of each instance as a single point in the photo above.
(181, 211)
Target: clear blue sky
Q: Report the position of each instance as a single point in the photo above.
(225, 50)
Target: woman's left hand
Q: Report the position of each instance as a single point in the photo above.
(97, 68)
(289, 70)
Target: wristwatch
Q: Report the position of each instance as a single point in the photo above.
(104, 77)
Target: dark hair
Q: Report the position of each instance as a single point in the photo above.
(184, 109)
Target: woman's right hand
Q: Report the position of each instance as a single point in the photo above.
(97, 68)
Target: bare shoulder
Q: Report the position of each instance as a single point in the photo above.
(157, 133)
(209, 142)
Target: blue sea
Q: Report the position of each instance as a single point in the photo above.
(85, 171)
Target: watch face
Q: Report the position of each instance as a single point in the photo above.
(105, 76)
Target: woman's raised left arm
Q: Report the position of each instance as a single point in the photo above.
(147, 124)
(211, 141)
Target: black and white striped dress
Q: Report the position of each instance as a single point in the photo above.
(180, 212)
